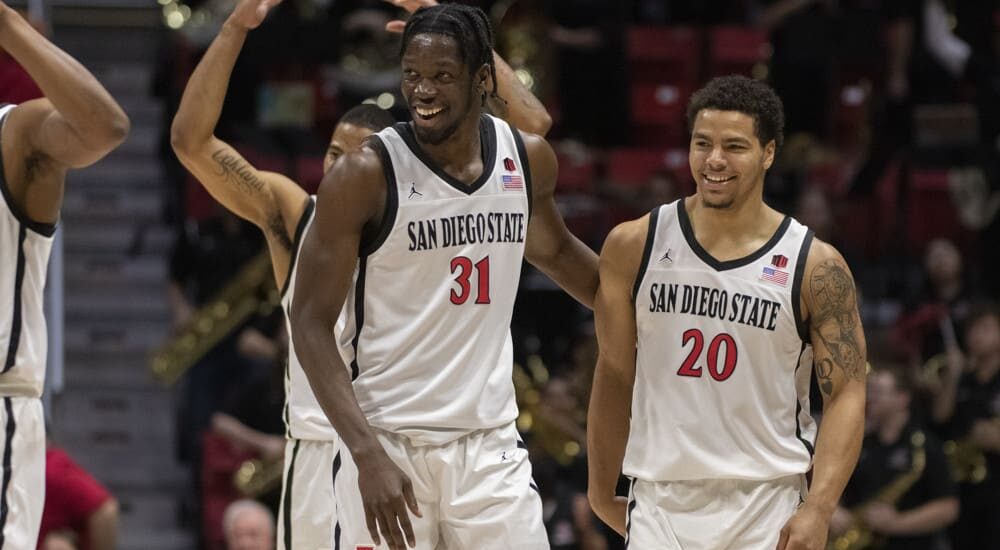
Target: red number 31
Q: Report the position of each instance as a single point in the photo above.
(690, 367)
(461, 267)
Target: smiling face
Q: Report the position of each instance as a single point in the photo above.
(726, 157)
(438, 87)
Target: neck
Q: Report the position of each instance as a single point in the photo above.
(891, 427)
(740, 219)
(458, 149)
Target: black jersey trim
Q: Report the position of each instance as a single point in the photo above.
(688, 231)
(488, 145)
(8, 469)
(522, 154)
(287, 504)
(333, 487)
(359, 314)
(647, 249)
(15, 323)
(44, 229)
(798, 406)
(369, 246)
(300, 229)
(800, 269)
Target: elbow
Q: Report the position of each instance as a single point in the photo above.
(949, 511)
(111, 132)
(181, 140)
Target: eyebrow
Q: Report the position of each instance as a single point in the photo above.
(699, 135)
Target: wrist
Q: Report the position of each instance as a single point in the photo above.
(821, 506)
(235, 27)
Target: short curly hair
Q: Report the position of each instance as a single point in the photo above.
(745, 95)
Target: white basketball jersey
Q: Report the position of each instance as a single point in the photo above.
(723, 360)
(427, 333)
(24, 252)
(304, 418)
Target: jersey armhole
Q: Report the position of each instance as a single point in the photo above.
(391, 198)
(297, 243)
(800, 270)
(522, 154)
(43, 229)
(654, 216)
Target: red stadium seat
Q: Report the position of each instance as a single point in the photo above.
(632, 167)
(576, 171)
(664, 54)
(734, 49)
(658, 114)
(930, 212)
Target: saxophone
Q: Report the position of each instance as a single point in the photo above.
(255, 477)
(967, 461)
(861, 536)
(251, 291)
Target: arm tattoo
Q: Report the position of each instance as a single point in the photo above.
(835, 320)
(236, 171)
(824, 376)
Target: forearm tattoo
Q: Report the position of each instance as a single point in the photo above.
(237, 172)
(835, 321)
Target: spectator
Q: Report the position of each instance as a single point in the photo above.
(248, 525)
(79, 512)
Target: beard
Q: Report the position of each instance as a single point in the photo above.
(437, 136)
(718, 205)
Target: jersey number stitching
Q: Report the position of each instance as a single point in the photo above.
(463, 266)
(690, 367)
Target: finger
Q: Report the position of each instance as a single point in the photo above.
(389, 526)
(372, 525)
(396, 26)
(404, 522)
(411, 499)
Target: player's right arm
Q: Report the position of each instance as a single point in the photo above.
(351, 198)
(271, 201)
(614, 378)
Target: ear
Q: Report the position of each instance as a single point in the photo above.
(482, 80)
(769, 154)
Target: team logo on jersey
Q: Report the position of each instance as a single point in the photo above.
(774, 275)
(779, 261)
(508, 164)
(666, 257)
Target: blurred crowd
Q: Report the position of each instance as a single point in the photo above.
(893, 131)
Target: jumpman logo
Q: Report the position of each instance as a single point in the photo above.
(666, 257)
(413, 191)
(503, 456)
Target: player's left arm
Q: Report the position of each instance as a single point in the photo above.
(830, 304)
(550, 246)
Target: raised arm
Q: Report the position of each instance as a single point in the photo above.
(611, 397)
(519, 106)
(269, 200)
(351, 197)
(550, 246)
(838, 340)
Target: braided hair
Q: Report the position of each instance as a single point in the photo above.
(467, 25)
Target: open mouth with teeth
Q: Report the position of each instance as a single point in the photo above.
(719, 180)
(427, 113)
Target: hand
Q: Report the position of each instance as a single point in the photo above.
(410, 6)
(58, 541)
(841, 521)
(805, 530)
(387, 493)
(249, 14)
(273, 448)
(611, 511)
(882, 518)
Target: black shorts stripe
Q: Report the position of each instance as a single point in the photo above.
(15, 324)
(8, 470)
(336, 526)
(287, 504)
(628, 512)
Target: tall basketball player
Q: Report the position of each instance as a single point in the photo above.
(711, 313)
(283, 211)
(74, 125)
(419, 238)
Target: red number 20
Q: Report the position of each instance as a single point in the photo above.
(690, 368)
(461, 267)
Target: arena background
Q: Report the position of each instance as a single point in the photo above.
(891, 155)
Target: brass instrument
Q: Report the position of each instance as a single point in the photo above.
(552, 438)
(257, 477)
(861, 536)
(967, 461)
(251, 291)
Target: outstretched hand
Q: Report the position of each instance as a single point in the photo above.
(249, 14)
(388, 499)
(806, 530)
(410, 6)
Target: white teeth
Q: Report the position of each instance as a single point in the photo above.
(428, 112)
(719, 179)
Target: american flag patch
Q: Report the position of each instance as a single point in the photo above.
(512, 182)
(775, 276)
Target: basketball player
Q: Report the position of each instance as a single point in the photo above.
(74, 125)
(419, 238)
(710, 314)
(282, 209)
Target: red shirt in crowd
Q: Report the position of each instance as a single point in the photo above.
(71, 496)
